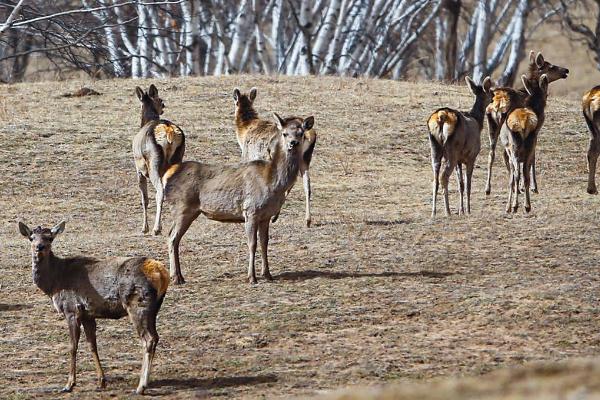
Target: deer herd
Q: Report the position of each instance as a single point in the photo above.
(273, 154)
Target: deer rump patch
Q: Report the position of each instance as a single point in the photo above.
(522, 121)
(500, 103)
(591, 103)
(157, 275)
(169, 137)
(442, 124)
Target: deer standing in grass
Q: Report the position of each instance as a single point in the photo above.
(506, 99)
(519, 136)
(250, 193)
(455, 136)
(254, 136)
(84, 289)
(158, 145)
(591, 105)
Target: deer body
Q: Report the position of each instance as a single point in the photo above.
(506, 99)
(456, 137)
(84, 289)
(251, 192)
(590, 106)
(158, 145)
(254, 136)
(519, 135)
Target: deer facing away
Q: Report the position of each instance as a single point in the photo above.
(250, 193)
(456, 137)
(519, 136)
(254, 135)
(506, 99)
(84, 289)
(158, 145)
(590, 105)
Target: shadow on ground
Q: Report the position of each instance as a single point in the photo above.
(14, 307)
(202, 383)
(312, 274)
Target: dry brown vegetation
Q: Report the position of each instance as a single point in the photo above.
(374, 292)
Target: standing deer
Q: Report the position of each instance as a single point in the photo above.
(250, 193)
(519, 136)
(506, 99)
(591, 105)
(455, 136)
(158, 145)
(255, 134)
(84, 289)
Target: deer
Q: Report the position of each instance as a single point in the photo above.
(590, 105)
(255, 134)
(158, 145)
(251, 192)
(519, 136)
(506, 99)
(455, 136)
(84, 289)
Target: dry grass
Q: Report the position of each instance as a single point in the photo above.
(375, 292)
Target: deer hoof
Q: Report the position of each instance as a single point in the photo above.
(527, 208)
(102, 383)
(534, 190)
(177, 280)
(156, 231)
(267, 276)
(140, 390)
(145, 230)
(308, 221)
(488, 191)
(67, 389)
(592, 190)
(253, 281)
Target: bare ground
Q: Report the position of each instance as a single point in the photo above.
(374, 292)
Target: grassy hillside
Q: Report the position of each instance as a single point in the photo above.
(374, 292)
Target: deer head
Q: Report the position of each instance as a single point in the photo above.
(41, 238)
(538, 67)
(293, 129)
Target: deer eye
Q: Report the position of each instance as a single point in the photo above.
(285, 134)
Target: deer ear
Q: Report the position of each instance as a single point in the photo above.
(139, 93)
(526, 84)
(236, 94)
(153, 91)
(531, 57)
(544, 82)
(472, 85)
(253, 93)
(308, 123)
(59, 228)
(278, 121)
(487, 84)
(539, 60)
(25, 231)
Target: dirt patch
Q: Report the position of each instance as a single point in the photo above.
(374, 292)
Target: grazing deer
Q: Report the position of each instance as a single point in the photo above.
(519, 136)
(158, 145)
(254, 136)
(506, 99)
(456, 137)
(591, 105)
(84, 289)
(250, 193)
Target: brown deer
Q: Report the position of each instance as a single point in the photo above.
(519, 136)
(455, 136)
(506, 99)
(591, 104)
(158, 145)
(84, 289)
(250, 193)
(254, 136)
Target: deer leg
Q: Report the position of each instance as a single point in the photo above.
(470, 168)
(511, 178)
(527, 171)
(592, 158)
(516, 183)
(493, 134)
(461, 187)
(181, 224)
(263, 236)
(74, 333)
(251, 230)
(307, 195)
(89, 326)
(534, 185)
(435, 164)
(144, 321)
(143, 185)
(449, 167)
(158, 186)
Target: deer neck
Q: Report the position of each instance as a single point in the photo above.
(537, 103)
(284, 167)
(478, 110)
(148, 114)
(244, 114)
(45, 272)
